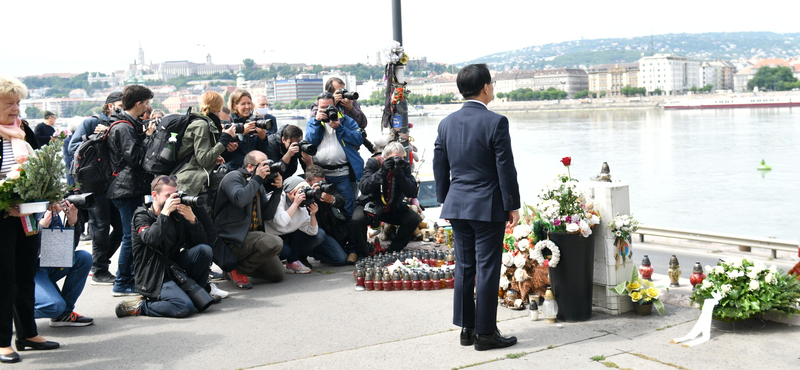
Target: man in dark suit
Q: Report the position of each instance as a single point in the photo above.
(477, 182)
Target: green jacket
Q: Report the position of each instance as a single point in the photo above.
(201, 141)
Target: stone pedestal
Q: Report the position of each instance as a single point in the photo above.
(610, 198)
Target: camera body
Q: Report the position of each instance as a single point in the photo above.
(326, 187)
(189, 200)
(397, 162)
(373, 212)
(307, 147)
(312, 195)
(352, 95)
(81, 201)
(331, 111)
(275, 167)
(262, 123)
(239, 129)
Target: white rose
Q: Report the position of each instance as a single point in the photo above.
(773, 269)
(753, 284)
(752, 275)
(521, 231)
(503, 270)
(734, 262)
(523, 245)
(719, 270)
(507, 259)
(594, 220)
(12, 175)
(520, 275)
(586, 230)
(725, 289)
(504, 283)
(519, 261)
(572, 227)
(770, 278)
(706, 284)
(733, 275)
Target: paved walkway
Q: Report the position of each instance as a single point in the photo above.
(318, 321)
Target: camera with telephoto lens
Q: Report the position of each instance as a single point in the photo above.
(275, 167)
(312, 195)
(81, 201)
(262, 123)
(200, 298)
(352, 95)
(327, 188)
(373, 212)
(307, 147)
(332, 112)
(189, 200)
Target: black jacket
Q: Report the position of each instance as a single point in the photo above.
(374, 183)
(167, 234)
(127, 145)
(250, 142)
(275, 152)
(331, 219)
(234, 204)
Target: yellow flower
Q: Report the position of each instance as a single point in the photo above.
(636, 296)
(633, 286)
(648, 284)
(647, 299)
(652, 292)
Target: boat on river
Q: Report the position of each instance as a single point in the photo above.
(734, 102)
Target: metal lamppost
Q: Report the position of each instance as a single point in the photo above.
(400, 116)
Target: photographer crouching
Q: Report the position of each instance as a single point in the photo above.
(386, 182)
(168, 240)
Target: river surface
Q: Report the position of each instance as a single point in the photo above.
(686, 169)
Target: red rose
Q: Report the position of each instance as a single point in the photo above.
(546, 263)
(566, 161)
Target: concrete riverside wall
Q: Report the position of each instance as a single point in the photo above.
(610, 198)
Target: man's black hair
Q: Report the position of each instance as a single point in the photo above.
(329, 84)
(472, 78)
(291, 132)
(133, 94)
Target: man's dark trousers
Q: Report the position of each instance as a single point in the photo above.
(105, 242)
(479, 251)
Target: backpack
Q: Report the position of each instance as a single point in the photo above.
(91, 166)
(162, 152)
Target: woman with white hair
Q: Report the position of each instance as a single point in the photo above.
(19, 253)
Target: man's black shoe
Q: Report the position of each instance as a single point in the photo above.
(103, 277)
(85, 238)
(494, 340)
(467, 336)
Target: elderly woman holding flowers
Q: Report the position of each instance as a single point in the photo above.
(19, 252)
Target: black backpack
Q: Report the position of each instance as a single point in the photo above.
(91, 166)
(162, 152)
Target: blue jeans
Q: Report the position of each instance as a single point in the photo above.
(126, 207)
(52, 303)
(321, 247)
(344, 188)
(174, 302)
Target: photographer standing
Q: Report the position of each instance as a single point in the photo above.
(285, 146)
(386, 182)
(168, 230)
(350, 107)
(252, 137)
(337, 138)
(241, 208)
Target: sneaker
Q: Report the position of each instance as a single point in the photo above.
(103, 277)
(129, 308)
(215, 276)
(239, 280)
(85, 238)
(128, 290)
(297, 267)
(217, 292)
(71, 319)
(304, 261)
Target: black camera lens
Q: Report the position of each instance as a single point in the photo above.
(264, 124)
(332, 112)
(81, 201)
(307, 147)
(327, 188)
(239, 127)
(352, 95)
(275, 167)
(312, 195)
(189, 200)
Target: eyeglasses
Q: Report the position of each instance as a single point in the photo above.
(494, 82)
(168, 179)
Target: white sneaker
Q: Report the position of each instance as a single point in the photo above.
(297, 267)
(215, 291)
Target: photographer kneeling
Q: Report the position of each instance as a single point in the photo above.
(387, 180)
(287, 145)
(163, 234)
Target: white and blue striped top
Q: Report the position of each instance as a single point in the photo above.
(8, 158)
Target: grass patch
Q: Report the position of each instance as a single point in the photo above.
(325, 272)
(516, 355)
(598, 358)
(657, 360)
(610, 364)
(666, 327)
(550, 347)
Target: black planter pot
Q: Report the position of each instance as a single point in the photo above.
(572, 279)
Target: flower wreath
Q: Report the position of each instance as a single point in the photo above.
(536, 253)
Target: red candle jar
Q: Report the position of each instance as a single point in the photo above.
(387, 285)
(378, 283)
(450, 283)
(407, 284)
(360, 281)
(369, 284)
(646, 270)
(416, 284)
(398, 284)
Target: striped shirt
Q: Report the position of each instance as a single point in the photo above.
(8, 158)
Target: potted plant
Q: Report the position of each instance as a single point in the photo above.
(565, 218)
(748, 289)
(622, 227)
(643, 293)
(40, 178)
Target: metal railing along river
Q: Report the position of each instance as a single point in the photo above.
(774, 245)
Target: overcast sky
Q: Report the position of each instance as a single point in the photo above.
(89, 35)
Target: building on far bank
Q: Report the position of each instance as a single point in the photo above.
(673, 74)
(723, 74)
(514, 80)
(571, 80)
(611, 78)
(302, 87)
(741, 78)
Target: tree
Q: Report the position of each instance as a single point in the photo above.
(602, 94)
(248, 63)
(693, 89)
(657, 91)
(32, 112)
(772, 78)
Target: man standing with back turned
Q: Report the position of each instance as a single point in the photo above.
(477, 182)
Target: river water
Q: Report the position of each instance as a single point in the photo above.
(686, 169)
